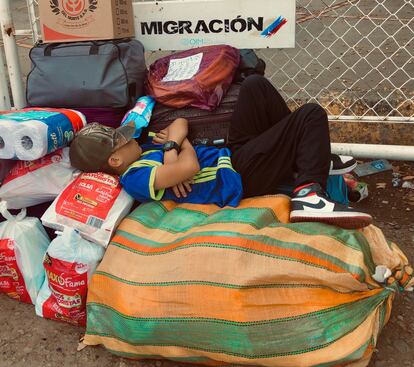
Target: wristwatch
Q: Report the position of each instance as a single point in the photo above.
(170, 145)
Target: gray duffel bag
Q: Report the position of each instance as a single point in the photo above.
(86, 74)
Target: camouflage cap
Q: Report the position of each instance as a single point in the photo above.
(94, 144)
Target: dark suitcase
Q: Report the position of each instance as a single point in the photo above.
(213, 125)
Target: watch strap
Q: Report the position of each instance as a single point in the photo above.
(170, 145)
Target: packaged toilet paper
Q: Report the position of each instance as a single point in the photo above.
(7, 146)
(94, 204)
(30, 134)
(23, 244)
(69, 264)
(35, 182)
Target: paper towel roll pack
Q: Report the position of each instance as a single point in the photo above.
(32, 133)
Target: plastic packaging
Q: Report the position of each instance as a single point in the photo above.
(7, 146)
(30, 134)
(140, 114)
(208, 142)
(337, 189)
(408, 185)
(94, 204)
(373, 167)
(23, 244)
(68, 264)
(34, 182)
(357, 190)
(396, 179)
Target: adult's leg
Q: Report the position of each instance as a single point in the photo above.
(299, 143)
(258, 108)
(269, 144)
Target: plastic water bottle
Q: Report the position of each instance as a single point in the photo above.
(208, 142)
(140, 114)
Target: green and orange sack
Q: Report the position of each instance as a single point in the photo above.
(242, 286)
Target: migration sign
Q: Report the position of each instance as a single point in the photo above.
(183, 24)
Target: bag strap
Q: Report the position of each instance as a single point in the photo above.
(8, 216)
(48, 49)
(94, 48)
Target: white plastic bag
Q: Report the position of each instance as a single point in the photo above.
(69, 264)
(23, 244)
(31, 183)
(94, 204)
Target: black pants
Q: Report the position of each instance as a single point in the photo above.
(272, 146)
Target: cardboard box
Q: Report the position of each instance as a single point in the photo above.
(85, 20)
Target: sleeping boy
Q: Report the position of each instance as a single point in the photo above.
(166, 168)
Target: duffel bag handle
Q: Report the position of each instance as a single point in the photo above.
(94, 50)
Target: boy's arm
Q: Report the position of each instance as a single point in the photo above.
(174, 173)
(177, 131)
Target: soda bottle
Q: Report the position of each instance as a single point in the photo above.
(140, 114)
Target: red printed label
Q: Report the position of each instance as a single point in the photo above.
(68, 283)
(89, 198)
(11, 279)
(24, 167)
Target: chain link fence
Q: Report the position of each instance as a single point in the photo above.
(354, 57)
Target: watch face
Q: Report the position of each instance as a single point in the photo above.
(168, 145)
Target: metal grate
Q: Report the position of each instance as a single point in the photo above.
(355, 57)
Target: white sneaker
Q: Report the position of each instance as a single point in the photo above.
(341, 164)
(310, 204)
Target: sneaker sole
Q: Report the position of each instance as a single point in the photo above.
(343, 220)
(342, 171)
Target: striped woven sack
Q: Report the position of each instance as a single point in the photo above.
(199, 284)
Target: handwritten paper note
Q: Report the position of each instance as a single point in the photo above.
(183, 69)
